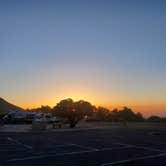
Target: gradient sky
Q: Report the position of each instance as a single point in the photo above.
(109, 52)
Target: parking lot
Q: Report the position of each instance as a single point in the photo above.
(93, 147)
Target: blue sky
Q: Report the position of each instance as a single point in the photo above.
(110, 52)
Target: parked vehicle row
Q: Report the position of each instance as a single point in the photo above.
(29, 117)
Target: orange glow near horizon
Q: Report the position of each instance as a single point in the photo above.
(145, 109)
(50, 95)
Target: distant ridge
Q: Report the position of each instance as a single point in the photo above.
(7, 107)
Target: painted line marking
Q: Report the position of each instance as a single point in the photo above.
(150, 149)
(80, 129)
(24, 150)
(63, 154)
(157, 143)
(84, 147)
(62, 145)
(10, 144)
(141, 147)
(53, 155)
(19, 143)
(134, 159)
(56, 146)
(13, 150)
(80, 146)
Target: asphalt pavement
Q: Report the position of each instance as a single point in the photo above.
(98, 147)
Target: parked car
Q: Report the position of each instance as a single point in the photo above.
(15, 117)
(19, 117)
(48, 118)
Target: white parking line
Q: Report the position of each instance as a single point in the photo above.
(84, 147)
(13, 150)
(62, 145)
(157, 143)
(123, 144)
(78, 145)
(134, 159)
(10, 144)
(63, 154)
(141, 147)
(51, 155)
(105, 149)
(151, 149)
(19, 143)
(80, 129)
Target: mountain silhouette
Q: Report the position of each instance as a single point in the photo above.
(7, 107)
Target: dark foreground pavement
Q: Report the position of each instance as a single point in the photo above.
(98, 147)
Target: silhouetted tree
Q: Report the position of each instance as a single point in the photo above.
(73, 111)
(44, 109)
(126, 114)
(154, 118)
(83, 108)
(102, 113)
(139, 117)
(114, 115)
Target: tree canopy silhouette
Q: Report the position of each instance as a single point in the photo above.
(73, 111)
(102, 113)
(44, 109)
(127, 114)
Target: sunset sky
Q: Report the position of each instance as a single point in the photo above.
(109, 52)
